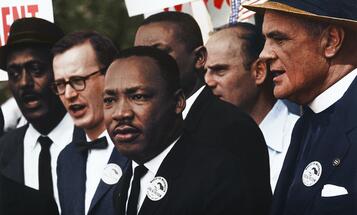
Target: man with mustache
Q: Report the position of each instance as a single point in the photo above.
(170, 172)
(209, 120)
(311, 46)
(28, 155)
(90, 166)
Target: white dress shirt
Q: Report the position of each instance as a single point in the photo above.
(61, 135)
(333, 93)
(153, 166)
(97, 160)
(190, 101)
(277, 127)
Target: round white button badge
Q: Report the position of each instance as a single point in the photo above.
(157, 188)
(312, 173)
(112, 173)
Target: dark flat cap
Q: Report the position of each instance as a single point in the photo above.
(30, 31)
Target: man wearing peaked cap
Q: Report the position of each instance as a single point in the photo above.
(311, 50)
(28, 155)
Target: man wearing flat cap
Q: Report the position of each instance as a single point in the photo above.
(311, 50)
(28, 155)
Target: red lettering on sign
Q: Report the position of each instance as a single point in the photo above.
(15, 13)
(5, 11)
(33, 9)
(178, 7)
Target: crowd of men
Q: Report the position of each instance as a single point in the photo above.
(175, 126)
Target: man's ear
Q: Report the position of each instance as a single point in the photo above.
(180, 101)
(259, 70)
(200, 54)
(332, 40)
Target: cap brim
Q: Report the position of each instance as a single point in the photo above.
(4, 50)
(276, 6)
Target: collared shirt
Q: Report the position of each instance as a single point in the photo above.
(153, 166)
(190, 101)
(277, 127)
(96, 162)
(333, 93)
(61, 135)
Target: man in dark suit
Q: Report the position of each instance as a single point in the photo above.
(170, 173)
(209, 120)
(28, 155)
(90, 166)
(319, 172)
(18, 199)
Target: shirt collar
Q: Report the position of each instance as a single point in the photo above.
(56, 134)
(272, 126)
(190, 101)
(333, 93)
(104, 133)
(153, 165)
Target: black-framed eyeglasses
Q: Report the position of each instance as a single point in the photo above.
(34, 68)
(78, 83)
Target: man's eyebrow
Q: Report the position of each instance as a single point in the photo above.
(218, 66)
(276, 34)
(110, 92)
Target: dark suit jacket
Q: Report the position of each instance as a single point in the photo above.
(339, 141)
(17, 199)
(71, 183)
(213, 122)
(201, 181)
(12, 154)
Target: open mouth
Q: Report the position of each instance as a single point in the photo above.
(77, 110)
(277, 73)
(125, 134)
(31, 101)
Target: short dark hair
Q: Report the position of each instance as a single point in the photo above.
(168, 66)
(253, 41)
(189, 31)
(104, 48)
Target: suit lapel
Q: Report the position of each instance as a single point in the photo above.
(103, 187)
(170, 169)
(121, 192)
(198, 109)
(72, 177)
(14, 156)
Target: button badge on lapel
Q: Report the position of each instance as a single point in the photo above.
(157, 188)
(111, 174)
(312, 173)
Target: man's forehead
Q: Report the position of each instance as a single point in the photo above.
(21, 55)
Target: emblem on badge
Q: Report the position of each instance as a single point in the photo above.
(312, 173)
(157, 188)
(111, 174)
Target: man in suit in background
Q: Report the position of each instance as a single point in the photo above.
(90, 165)
(209, 120)
(170, 173)
(28, 155)
(235, 74)
(311, 50)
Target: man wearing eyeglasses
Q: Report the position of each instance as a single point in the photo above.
(28, 155)
(89, 166)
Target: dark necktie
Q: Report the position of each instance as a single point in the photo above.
(100, 143)
(139, 172)
(44, 166)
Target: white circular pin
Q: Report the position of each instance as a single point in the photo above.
(111, 174)
(312, 173)
(157, 188)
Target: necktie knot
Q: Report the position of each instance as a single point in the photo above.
(140, 171)
(45, 141)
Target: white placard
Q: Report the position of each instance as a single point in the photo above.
(136, 7)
